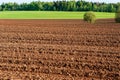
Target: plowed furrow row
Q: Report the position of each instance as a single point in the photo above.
(65, 42)
(67, 64)
(60, 71)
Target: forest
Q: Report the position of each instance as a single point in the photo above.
(63, 5)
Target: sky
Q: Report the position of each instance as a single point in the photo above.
(21, 1)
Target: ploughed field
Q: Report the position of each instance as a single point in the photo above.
(59, 50)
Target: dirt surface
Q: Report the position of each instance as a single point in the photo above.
(59, 50)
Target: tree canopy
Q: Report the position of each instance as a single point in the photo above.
(63, 5)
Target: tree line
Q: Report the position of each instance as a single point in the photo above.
(63, 5)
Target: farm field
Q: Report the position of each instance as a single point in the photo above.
(59, 50)
(50, 15)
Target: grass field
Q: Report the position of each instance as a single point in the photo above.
(49, 15)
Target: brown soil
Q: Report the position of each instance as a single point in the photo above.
(59, 50)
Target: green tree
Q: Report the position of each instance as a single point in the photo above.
(117, 16)
(0, 8)
(63, 5)
(89, 17)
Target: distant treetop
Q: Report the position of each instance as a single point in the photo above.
(63, 5)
